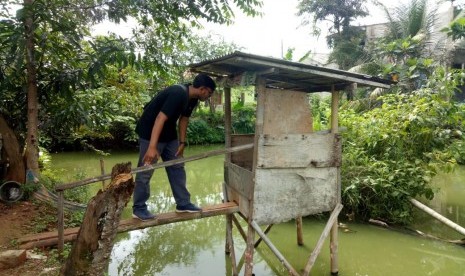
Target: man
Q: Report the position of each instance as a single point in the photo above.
(158, 138)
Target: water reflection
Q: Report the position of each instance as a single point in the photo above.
(197, 247)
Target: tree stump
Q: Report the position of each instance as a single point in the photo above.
(91, 250)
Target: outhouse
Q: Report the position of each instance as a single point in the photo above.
(289, 171)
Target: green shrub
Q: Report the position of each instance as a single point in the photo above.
(243, 119)
(390, 153)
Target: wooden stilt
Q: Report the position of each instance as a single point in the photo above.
(333, 248)
(230, 243)
(249, 251)
(275, 251)
(333, 244)
(300, 238)
(324, 235)
(260, 89)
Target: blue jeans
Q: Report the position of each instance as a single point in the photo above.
(176, 176)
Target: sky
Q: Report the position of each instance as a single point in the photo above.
(280, 28)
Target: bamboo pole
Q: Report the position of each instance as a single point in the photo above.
(268, 228)
(316, 251)
(155, 166)
(438, 216)
(278, 254)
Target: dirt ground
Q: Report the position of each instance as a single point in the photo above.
(15, 222)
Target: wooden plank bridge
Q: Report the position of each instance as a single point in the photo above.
(70, 234)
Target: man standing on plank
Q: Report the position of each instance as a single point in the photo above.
(158, 137)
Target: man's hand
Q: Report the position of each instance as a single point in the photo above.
(180, 151)
(151, 156)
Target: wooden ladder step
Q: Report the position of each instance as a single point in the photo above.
(70, 234)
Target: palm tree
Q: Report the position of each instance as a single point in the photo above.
(410, 19)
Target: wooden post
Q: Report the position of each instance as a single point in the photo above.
(227, 120)
(102, 171)
(300, 238)
(91, 251)
(260, 88)
(61, 223)
(229, 245)
(333, 244)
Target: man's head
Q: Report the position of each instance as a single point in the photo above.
(205, 85)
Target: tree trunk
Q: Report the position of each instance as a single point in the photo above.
(15, 170)
(91, 251)
(32, 139)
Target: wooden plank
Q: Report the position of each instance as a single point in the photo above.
(284, 194)
(240, 179)
(299, 150)
(47, 235)
(242, 158)
(134, 224)
(286, 112)
(324, 235)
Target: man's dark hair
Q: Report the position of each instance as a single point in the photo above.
(204, 80)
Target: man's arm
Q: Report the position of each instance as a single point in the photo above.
(182, 128)
(152, 153)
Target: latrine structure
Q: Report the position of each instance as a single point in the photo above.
(291, 171)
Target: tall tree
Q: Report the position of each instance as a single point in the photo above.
(344, 39)
(43, 29)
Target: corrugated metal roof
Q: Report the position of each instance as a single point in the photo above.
(286, 74)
